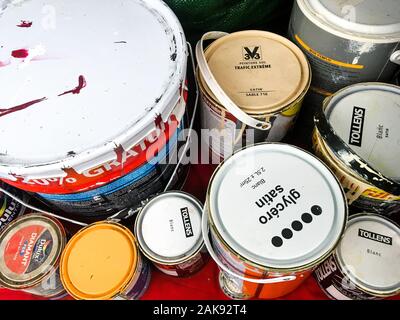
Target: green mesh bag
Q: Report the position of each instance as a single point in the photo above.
(200, 16)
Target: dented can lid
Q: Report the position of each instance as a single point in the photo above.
(260, 71)
(366, 117)
(377, 20)
(30, 248)
(277, 206)
(168, 228)
(369, 254)
(70, 71)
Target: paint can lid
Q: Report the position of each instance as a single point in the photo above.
(81, 69)
(369, 252)
(277, 206)
(99, 261)
(30, 248)
(260, 71)
(366, 116)
(168, 228)
(370, 18)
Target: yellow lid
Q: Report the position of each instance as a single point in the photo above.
(99, 261)
(260, 71)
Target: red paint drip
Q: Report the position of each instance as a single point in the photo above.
(20, 54)
(158, 121)
(25, 24)
(77, 90)
(4, 64)
(119, 151)
(4, 112)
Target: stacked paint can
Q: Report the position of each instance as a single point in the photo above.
(168, 230)
(9, 208)
(357, 135)
(100, 131)
(273, 213)
(346, 42)
(252, 86)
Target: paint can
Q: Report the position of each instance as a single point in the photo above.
(252, 85)
(357, 135)
(365, 264)
(9, 208)
(168, 230)
(273, 213)
(347, 42)
(30, 250)
(102, 262)
(94, 111)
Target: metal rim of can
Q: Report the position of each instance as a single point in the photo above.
(319, 15)
(258, 116)
(342, 151)
(360, 185)
(338, 257)
(266, 269)
(152, 256)
(122, 285)
(223, 284)
(135, 132)
(58, 230)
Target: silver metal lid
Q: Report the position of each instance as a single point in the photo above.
(168, 228)
(370, 253)
(277, 206)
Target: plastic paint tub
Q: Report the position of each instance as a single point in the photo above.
(93, 107)
(365, 265)
(168, 229)
(357, 135)
(9, 208)
(347, 42)
(30, 250)
(273, 213)
(102, 262)
(252, 86)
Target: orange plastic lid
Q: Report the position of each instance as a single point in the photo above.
(99, 261)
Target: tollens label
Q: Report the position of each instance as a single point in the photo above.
(375, 237)
(187, 224)
(28, 249)
(9, 210)
(357, 126)
(326, 268)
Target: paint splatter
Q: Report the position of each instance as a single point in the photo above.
(4, 112)
(120, 42)
(25, 24)
(20, 53)
(158, 121)
(77, 90)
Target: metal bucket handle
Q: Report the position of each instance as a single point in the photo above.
(207, 242)
(125, 213)
(216, 88)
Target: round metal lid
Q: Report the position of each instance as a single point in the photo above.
(83, 77)
(370, 18)
(370, 253)
(260, 71)
(29, 249)
(366, 117)
(277, 206)
(168, 228)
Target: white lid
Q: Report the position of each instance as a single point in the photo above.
(366, 117)
(306, 195)
(131, 53)
(370, 18)
(370, 251)
(169, 227)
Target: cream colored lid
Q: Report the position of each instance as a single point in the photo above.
(260, 71)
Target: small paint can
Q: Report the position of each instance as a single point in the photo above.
(91, 95)
(347, 42)
(30, 250)
(168, 230)
(365, 265)
(9, 208)
(102, 262)
(357, 135)
(273, 213)
(252, 85)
